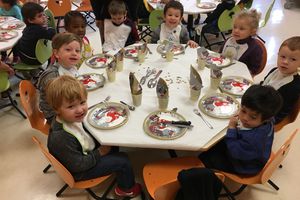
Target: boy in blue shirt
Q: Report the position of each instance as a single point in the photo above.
(247, 144)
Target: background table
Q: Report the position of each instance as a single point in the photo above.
(8, 44)
(132, 133)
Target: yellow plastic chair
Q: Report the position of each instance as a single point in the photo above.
(68, 178)
(50, 18)
(146, 26)
(162, 172)
(5, 89)
(225, 22)
(265, 174)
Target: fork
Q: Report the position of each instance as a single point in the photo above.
(104, 101)
(196, 111)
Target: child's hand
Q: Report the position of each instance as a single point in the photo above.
(233, 122)
(192, 44)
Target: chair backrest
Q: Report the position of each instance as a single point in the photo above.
(264, 56)
(59, 7)
(155, 19)
(246, 5)
(29, 101)
(4, 81)
(290, 118)
(277, 158)
(50, 18)
(225, 20)
(59, 168)
(43, 50)
(169, 190)
(85, 6)
(267, 16)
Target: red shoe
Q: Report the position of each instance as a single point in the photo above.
(132, 192)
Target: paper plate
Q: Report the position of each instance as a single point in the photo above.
(235, 85)
(92, 81)
(219, 105)
(132, 51)
(155, 128)
(177, 49)
(206, 5)
(7, 34)
(108, 115)
(3, 19)
(218, 60)
(12, 24)
(99, 60)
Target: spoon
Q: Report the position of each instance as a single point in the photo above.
(132, 108)
(153, 81)
(149, 72)
(196, 111)
(104, 101)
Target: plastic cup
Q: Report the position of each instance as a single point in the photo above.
(141, 56)
(201, 63)
(215, 82)
(163, 103)
(194, 94)
(111, 75)
(119, 65)
(136, 99)
(169, 56)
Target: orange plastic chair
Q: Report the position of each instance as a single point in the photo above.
(265, 174)
(29, 101)
(69, 179)
(264, 56)
(290, 118)
(59, 8)
(168, 191)
(162, 172)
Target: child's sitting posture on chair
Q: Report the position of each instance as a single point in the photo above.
(171, 29)
(75, 148)
(67, 51)
(285, 77)
(247, 145)
(119, 31)
(242, 46)
(36, 28)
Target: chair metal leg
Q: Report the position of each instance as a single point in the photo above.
(103, 197)
(232, 194)
(14, 104)
(228, 194)
(172, 153)
(62, 190)
(46, 169)
(273, 184)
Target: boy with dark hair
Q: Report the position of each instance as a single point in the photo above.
(119, 31)
(36, 28)
(247, 144)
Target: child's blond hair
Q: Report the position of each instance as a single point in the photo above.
(253, 16)
(292, 43)
(65, 88)
(61, 39)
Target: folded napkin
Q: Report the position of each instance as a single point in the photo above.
(120, 55)
(202, 52)
(142, 48)
(162, 89)
(195, 79)
(216, 73)
(135, 86)
(112, 65)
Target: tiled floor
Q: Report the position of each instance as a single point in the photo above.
(21, 162)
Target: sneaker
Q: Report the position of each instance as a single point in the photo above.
(132, 192)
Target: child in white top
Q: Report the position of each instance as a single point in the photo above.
(119, 31)
(171, 29)
(67, 51)
(242, 45)
(285, 77)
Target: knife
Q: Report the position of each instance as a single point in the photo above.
(181, 124)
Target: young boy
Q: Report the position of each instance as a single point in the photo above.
(119, 31)
(171, 29)
(247, 145)
(285, 77)
(36, 28)
(67, 52)
(75, 148)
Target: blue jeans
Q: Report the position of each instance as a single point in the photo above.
(110, 163)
